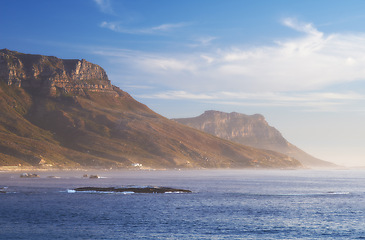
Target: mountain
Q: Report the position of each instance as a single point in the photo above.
(67, 114)
(251, 131)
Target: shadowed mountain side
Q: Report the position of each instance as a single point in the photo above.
(251, 131)
(65, 113)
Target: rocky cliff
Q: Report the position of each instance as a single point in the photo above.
(250, 130)
(66, 114)
(52, 76)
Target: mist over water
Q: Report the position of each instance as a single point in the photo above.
(225, 204)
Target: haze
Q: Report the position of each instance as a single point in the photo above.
(298, 63)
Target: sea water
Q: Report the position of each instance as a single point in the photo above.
(225, 204)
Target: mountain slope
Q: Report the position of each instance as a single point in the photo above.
(251, 131)
(66, 113)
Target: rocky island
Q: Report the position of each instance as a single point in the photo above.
(132, 189)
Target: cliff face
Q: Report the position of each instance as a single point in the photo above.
(248, 130)
(251, 131)
(66, 113)
(52, 76)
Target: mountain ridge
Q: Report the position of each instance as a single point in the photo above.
(250, 130)
(67, 114)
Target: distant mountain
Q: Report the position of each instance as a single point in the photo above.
(67, 114)
(251, 131)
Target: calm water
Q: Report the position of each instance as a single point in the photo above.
(236, 204)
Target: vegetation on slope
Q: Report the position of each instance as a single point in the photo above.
(102, 126)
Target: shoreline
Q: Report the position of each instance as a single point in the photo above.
(85, 169)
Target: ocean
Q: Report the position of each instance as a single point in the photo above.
(224, 204)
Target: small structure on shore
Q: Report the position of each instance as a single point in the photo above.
(137, 165)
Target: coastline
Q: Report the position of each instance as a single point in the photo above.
(103, 169)
(81, 169)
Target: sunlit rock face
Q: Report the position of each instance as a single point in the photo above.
(250, 130)
(52, 76)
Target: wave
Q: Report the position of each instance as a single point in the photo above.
(98, 192)
(313, 194)
(316, 194)
(339, 193)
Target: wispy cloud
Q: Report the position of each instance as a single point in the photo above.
(266, 96)
(138, 86)
(167, 27)
(309, 101)
(178, 95)
(203, 41)
(306, 64)
(301, 27)
(118, 27)
(105, 6)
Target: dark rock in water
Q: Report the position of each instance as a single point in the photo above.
(94, 176)
(3, 189)
(29, 175)
(132, 189)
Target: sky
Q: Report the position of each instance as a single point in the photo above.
(301, 64)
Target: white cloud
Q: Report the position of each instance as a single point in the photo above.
(178, 95)
(137, 86)
(166, 27)
(162, 65)
(202, 41)
(206, 40)
(114, 26)
(265, 96)
(309, 63)
(105, 6)
(118, 27)
(309, 101)
(302, 27)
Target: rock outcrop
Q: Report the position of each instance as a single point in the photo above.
(250, 130)
(52, 76)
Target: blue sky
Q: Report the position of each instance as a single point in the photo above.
(299, 63)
